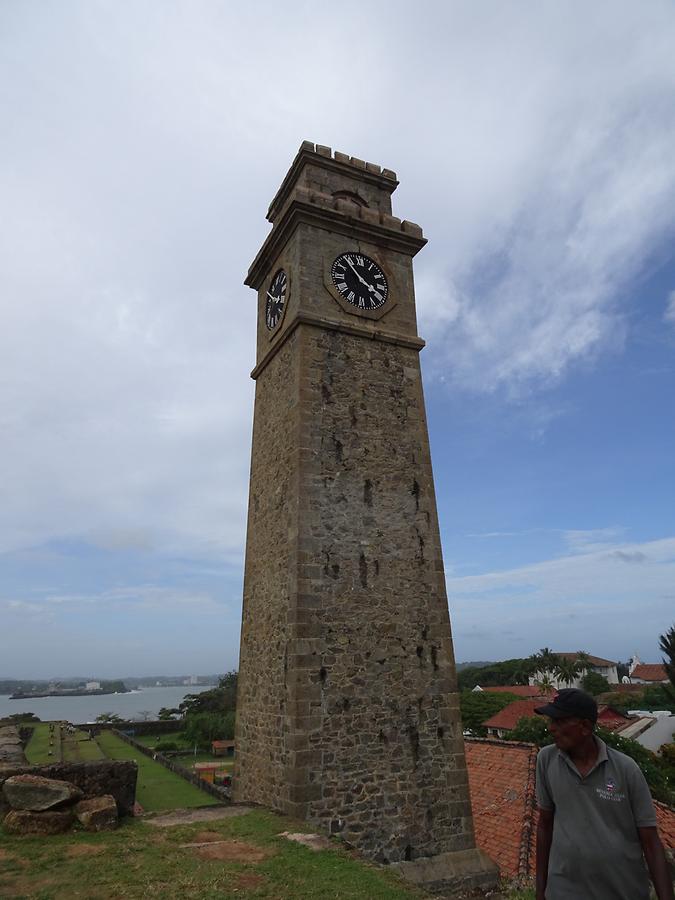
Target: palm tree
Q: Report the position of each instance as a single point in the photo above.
(545, 683)
(667, 644)
(568, 670)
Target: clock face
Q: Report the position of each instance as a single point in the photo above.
(276, 299)
(360, 281)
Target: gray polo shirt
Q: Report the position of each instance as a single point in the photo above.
(596, 852)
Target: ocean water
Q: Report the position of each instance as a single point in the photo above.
(134, 706)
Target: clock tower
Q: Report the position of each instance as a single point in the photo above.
(347, 711)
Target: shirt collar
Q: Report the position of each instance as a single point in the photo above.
(602, 756)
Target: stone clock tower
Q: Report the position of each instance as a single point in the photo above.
(347, 712)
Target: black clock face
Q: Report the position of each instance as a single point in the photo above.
(276, 299)
(360, 281)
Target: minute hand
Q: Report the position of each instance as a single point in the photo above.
(361, 279)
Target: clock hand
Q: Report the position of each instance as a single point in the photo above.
(362, 280)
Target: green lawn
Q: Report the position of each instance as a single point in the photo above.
(78, 748)
(140, 861)
(157, 788)
(37, 749)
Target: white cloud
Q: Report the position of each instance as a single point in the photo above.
(669, 315)
(623, 594)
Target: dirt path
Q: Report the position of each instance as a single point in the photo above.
(188, 816)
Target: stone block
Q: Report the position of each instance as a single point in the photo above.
(33, 792)
(373, 167)
(358, 163)
(341, 157)
(322, 150)
(411, 228)
(51, 821)
(391, 222)
(97, 814)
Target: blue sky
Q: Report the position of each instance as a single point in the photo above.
(534, 144)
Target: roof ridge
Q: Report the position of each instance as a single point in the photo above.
(527, 831)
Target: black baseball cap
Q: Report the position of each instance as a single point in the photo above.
(570, 702)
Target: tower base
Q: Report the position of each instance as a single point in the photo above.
(457, 874)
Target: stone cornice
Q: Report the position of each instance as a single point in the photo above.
(336, 215)
(373, 334)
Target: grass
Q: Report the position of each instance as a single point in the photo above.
(37, 749)
(187, 755)
(157, 789)
(139, 861)
(78, 748)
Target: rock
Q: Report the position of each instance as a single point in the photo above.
(97, 814)
(35, 793)
(25, 821)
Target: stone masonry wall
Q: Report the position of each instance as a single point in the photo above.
(378, 751)
(116, 777)
(269, 587)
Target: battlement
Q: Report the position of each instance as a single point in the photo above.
(361, 164)
(317, 167)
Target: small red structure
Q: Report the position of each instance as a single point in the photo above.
(222, 748)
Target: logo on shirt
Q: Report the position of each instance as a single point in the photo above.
(609, 792)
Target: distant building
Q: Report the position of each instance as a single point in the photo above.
(646, 673)
(92, 686)
(506, 719)
(518, 690)
(222, 748)
(604, 667)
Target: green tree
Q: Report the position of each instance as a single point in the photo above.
(595, 684)
(220, 699)
(166, 714)
(546, 660)
(649, 763)
(477, 706)
(109, 718)
(202, 728)
(545, 683)
(567, 670)
(531, 730)
(667, 645)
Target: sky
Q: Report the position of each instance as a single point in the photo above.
(141, 144)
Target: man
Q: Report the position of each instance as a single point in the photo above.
(597, 823)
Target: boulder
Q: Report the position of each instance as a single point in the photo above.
(35, 793)
(97, 814)
(26, 821)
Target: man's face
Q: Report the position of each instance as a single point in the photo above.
(569, 732)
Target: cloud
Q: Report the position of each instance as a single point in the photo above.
(142, 145)
(539, 599)
(634, 556)
(669, 314)
(593, 539)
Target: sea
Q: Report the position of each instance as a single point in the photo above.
(134, 706)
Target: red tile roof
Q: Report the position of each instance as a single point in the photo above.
(611, 718)
(509, 717)
(520, 690)
(665, 822)
(593, 660)
(650, 672)
(501, 781)
(502, 785)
